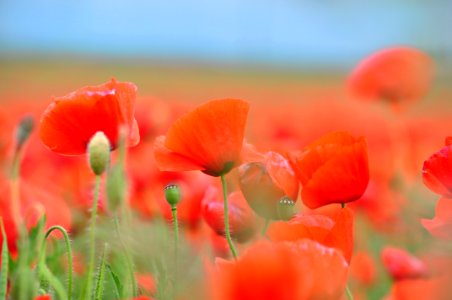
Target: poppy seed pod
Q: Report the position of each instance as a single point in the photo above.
(99, 153)
(172, 194)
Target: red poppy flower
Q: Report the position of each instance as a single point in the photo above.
(333, 169)
(70, 121)
(209, 139)
(242, 221)
(264, 184)
(437, 171)
(401, 265)
(396, 75)
(441, 225)
(332, 230)
(282, 271)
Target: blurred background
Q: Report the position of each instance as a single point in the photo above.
(201, 44)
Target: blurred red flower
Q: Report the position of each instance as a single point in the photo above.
(209, 139)
(441, 226)
(437, 171)
(363, 269)
(282, 271)
(396, 75)
(402, 265)
(70, 121)
(333, 169)
(34, 202)
(242, 221)
(264, 184)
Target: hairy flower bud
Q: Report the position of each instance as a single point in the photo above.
(99, 153)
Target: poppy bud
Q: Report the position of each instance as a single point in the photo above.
(99, 153)
(172, 194)
(24, 130)
(264, 184)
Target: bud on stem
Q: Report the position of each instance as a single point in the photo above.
(99, 153)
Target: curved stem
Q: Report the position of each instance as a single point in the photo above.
(69, 255)
(226, 218)
(92, 240)
(46, 273)
(129, 261)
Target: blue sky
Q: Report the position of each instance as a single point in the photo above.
(316, 32)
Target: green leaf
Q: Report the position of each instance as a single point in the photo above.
(5, 263)
(116, 280)
(100, 277)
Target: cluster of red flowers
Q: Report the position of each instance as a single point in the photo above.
(297, 190)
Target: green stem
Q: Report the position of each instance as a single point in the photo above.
(349, 293)
(99, 291)
(264, 229)
(342, 205)
(129, 261)
(15, 197)
(53, 281)
(226, 218)
(92, 240)
(5, 264)
(176, 243)
(46, 273)
(69, 255)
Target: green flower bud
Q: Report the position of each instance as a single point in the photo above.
(99, 153)
(172, 194)
(24, 130)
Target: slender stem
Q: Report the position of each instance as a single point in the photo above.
(129, 261)
(99, 290)
(176, 243)
(264, 229)
(176, 231)
(46, 273)
(5, 263)
(15, 197)
(349, 293)
(92, 238)
(53, 281)
(226, 218)
(342, 205)
(69, 255)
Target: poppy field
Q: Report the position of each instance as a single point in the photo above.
(185, 182)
